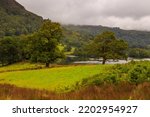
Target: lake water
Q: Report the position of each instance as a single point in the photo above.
(111, 61)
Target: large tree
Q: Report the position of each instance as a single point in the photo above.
(9, 50)
(107, 46)
(44, 43)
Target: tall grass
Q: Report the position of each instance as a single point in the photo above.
(122, 91)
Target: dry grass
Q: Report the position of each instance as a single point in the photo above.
(142, 92)
(122, 91)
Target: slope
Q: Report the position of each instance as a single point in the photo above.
(16, 20)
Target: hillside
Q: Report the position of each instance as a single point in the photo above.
(16, 20)
(83, 33)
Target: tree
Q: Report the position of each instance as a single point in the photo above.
(9, 50)
(44, 43)
(107, 46)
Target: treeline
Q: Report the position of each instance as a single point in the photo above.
(10, 50)
(136, 39)
(40, 46)
(44, 46)
(78, 36)
(139, 52)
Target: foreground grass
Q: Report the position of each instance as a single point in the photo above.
(126, 81)
(53, 78)
(122, 91)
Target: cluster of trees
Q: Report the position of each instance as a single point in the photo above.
(136, 39)
(139, 53)
(10, 50)
(41, 46)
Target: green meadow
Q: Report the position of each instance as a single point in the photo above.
(21, 66)
(49, 79)
(34, 81)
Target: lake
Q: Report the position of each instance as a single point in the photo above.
(111, 61)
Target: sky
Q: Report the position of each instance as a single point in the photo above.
(126, 14)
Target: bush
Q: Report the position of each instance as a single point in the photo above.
(139, 74)
(94, 80)
(111, 78)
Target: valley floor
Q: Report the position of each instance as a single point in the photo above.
(33, 81)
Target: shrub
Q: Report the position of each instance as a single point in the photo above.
(139, 74)
(110, 78)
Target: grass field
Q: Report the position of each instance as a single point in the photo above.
(21, 66)
(33, 81)
(49, 79)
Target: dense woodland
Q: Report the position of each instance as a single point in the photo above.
(78, 36)
(18, 27)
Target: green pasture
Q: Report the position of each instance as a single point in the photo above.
(50, 79)
(21, 66)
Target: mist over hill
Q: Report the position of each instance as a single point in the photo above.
(16, 20)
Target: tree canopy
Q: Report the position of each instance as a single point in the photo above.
(9, 50)
(107, 46)
(44, 43)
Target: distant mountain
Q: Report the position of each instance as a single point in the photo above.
(83, 33)
(16, 20)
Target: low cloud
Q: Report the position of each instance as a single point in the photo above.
(126, 14)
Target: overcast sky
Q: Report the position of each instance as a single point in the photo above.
(126, 14)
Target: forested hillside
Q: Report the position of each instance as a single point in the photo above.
(84, 33)
(16, 20)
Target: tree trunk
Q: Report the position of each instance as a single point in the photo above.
(104, 61)
(47, 65)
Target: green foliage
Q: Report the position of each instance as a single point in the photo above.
(44, 43)
(14, 49)
(107, 46)
(83, 52)
(139, 53)
(16, 20)
(9, 50)
(74, 38)
(135, 39)
(133, 72)
(139, 74)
